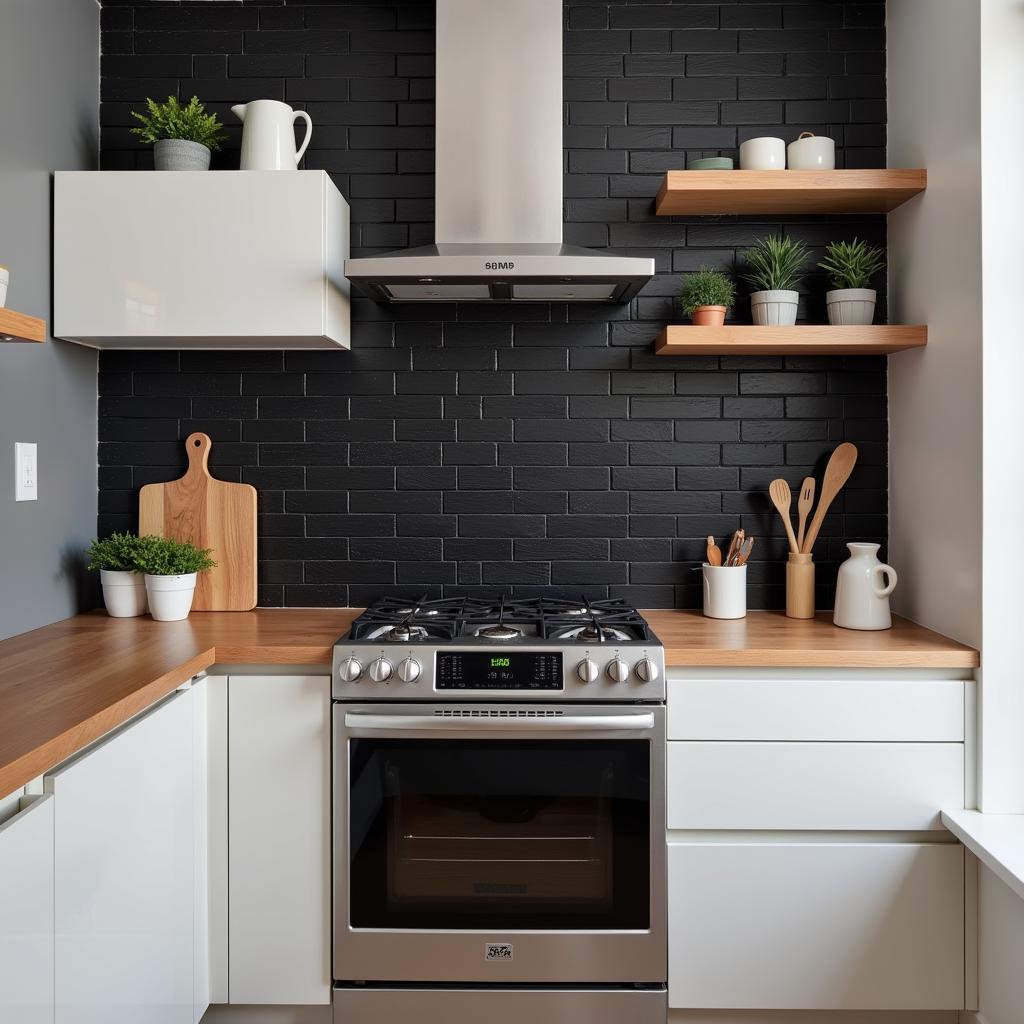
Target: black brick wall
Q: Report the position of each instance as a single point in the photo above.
(539, 449)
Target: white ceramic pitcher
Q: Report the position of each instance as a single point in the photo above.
(862, 602)
(268, 135)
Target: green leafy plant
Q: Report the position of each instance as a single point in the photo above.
(161, 556)
(776, 264)
(706, 287)
(117, 553)
(852, 264)
(171, 120)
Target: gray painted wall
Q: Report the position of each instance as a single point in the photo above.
(49, 81)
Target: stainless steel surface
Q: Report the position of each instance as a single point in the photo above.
(562, 1005)
(526, 723)
(577, 957)
(498, 173)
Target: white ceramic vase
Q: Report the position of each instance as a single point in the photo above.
(170, 597)
(862, 599)
(775, 308)
(851, 307)
(124, 593)
(725, 591)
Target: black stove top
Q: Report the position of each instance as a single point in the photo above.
(501, 621)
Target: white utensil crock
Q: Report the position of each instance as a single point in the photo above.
(764, 154)
(774, 308)
(812, 152)
(862, 601)
(851, 307)
(725, 591)
(268, 135)
(124, 593)
(170, 597)
(5, 276)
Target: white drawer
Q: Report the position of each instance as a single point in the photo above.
(884, 710)
(875, 926)
(851, 786)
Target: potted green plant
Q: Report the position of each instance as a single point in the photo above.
(170, 567)
(775, 269)
(706, 297)
(850, 267)
(182, 136)
(116, 559)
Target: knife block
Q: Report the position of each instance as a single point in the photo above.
(800, 586)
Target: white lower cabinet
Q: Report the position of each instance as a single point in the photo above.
(816, 926)
(26, 914)
(124, 882)
(279, 839)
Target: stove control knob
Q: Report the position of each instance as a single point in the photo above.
(646, 670)
(587, 671)
(618, 670)
(350, 670)
(409, 671)
(380, 670)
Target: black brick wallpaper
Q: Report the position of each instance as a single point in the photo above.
(537, 449)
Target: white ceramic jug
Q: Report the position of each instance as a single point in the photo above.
(268, 135)
(861, 600)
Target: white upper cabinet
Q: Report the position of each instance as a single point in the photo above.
(200, 260)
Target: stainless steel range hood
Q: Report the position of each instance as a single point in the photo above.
(498, 163)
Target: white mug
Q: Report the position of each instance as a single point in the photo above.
(4, 278)
(765, 154)
(812, 152)
(725, 591)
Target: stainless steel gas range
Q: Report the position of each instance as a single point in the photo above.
(499, 814)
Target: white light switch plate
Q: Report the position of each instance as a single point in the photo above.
(26, 483)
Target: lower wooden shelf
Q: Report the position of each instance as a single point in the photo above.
(803, 339)
(21, 327)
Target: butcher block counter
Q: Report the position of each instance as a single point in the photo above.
(65, 685)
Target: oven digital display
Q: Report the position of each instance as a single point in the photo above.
(479, 670)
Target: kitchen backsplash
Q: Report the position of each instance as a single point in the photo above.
(539, 449)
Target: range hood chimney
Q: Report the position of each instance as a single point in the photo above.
(498, 164)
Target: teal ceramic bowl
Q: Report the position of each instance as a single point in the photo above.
(710, 163)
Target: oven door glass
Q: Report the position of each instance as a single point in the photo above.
(498, 833)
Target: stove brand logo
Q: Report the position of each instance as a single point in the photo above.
(499, 266)
(498, 950)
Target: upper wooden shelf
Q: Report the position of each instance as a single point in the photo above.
(803, 339)
(712, 193)
(21, 327)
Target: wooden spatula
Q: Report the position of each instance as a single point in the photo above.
(804, 506)
(714, 552)
(782, 498)
(837, 472)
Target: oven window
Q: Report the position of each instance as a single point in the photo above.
(512, 834)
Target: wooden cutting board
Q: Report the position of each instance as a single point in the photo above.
(211, 514)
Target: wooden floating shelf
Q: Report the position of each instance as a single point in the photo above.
(810, 340)
(714, 193)
(21, 327)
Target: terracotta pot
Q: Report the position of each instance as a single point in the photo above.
(709, 316)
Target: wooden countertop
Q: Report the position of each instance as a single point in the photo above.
(65, 685)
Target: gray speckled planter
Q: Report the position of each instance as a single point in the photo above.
(180, 155)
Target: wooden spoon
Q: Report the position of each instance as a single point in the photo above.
(837, 472)
(737, 540)
(748, 546)
(782, 498)
(804, 506)
(714, 552)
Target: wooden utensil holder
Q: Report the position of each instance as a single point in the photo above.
(800, 586)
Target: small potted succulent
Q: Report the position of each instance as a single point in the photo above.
(850, 267)
(170, 567)
(706, 297)
(116, 559)
(775, 266)
(182, 136)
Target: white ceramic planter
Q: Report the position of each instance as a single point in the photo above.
(862, 601)
(851, 307)
(170, 597)
(124, 593)
(775, 308)
(180, 155)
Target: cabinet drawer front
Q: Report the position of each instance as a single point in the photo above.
(888, 786)
(787, 926)
(884, 710)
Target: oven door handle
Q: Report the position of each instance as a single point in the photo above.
(638, 722)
